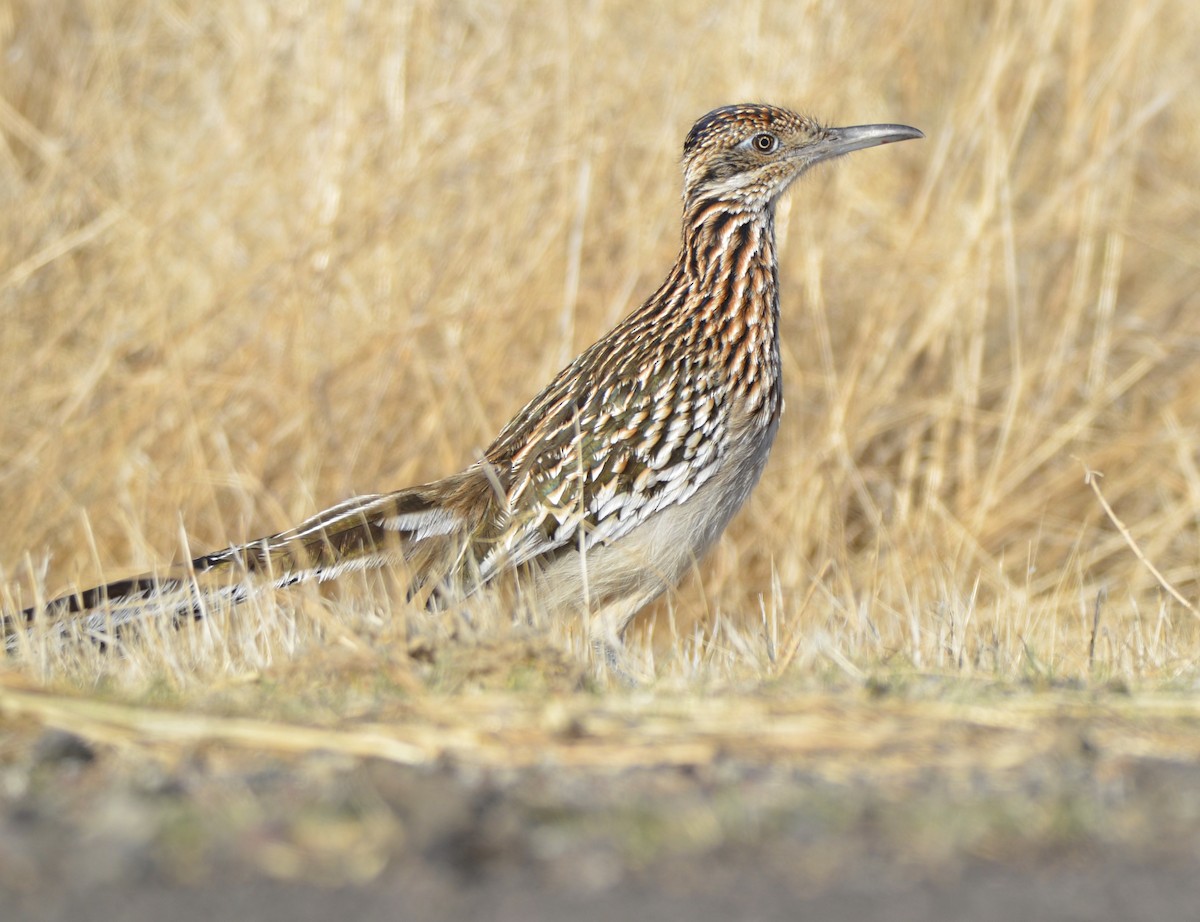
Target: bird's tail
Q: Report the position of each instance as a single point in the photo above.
(423, 528)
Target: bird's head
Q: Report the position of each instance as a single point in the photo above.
(746, 156)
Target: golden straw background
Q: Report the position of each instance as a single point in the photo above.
(256, 257)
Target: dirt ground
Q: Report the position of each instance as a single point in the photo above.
(843, 806)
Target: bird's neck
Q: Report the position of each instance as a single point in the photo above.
(731, 251)
(729, 254)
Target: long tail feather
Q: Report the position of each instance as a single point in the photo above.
(414, 526)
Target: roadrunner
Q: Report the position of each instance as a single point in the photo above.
(609, 484)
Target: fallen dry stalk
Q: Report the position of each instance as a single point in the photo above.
(1092, 479)
(830, 735)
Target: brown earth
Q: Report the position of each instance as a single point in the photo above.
(894, 804)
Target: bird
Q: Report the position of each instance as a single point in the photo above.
(616, 478)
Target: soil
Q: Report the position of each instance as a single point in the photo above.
(1075, 812)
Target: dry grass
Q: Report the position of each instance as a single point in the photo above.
(255, 258)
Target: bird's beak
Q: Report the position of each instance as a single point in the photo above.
(838, 141)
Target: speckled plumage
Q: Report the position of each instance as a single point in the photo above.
(621, 472)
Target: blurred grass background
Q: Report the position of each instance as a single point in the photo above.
(258, 257)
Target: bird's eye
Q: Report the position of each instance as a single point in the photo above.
(764, 142)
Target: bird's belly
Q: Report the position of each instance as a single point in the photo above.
(657, 554)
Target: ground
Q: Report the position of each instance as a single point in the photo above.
(926, 801)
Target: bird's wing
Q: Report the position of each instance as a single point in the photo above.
(588, 469)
